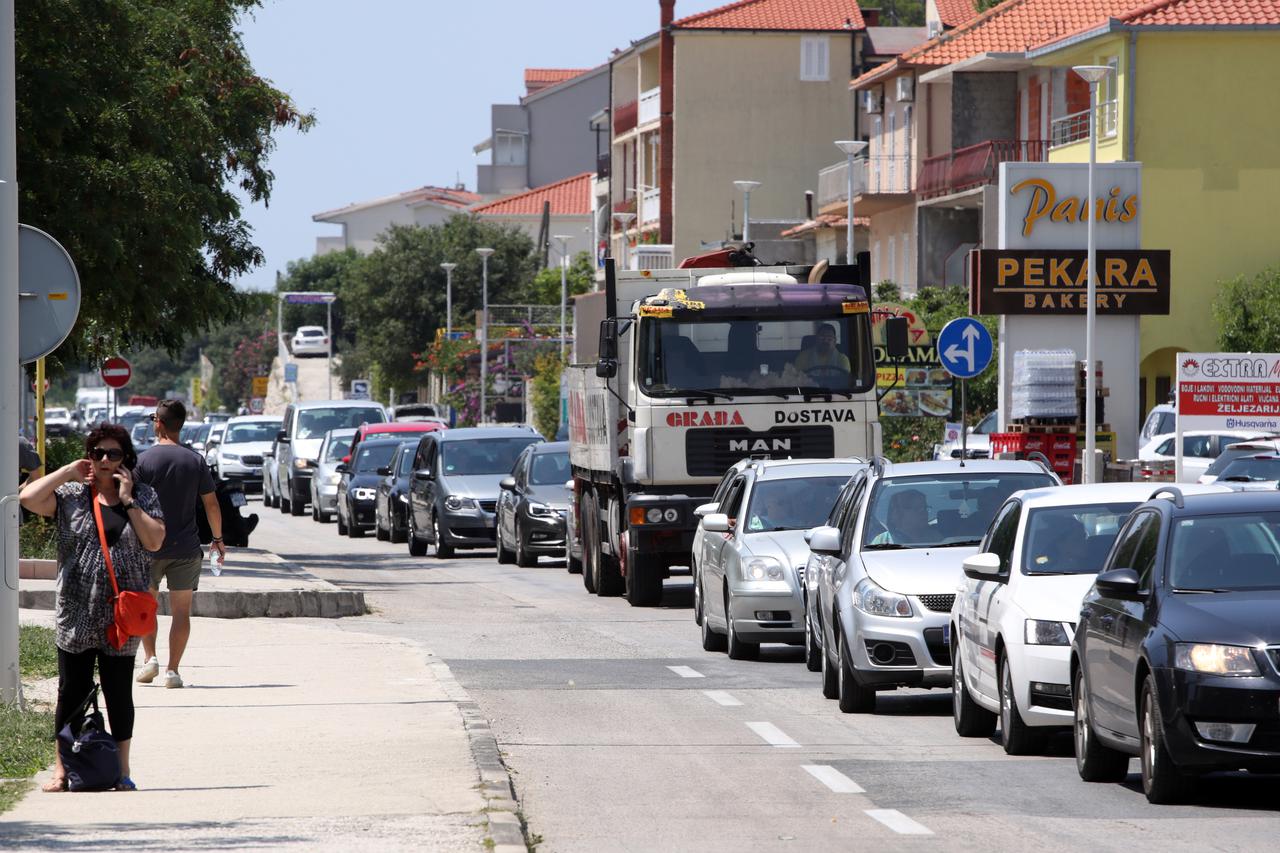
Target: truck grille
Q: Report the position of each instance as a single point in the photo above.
(940, 603)
(711, 452)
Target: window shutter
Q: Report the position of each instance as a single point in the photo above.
(814, 58)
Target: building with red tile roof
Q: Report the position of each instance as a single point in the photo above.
(951, 13)
(537, 79)
(780, 16)
(569, 197)
(362, 222)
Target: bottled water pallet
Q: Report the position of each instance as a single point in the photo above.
(1050, 426)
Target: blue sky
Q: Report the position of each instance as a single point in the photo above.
(401, 90)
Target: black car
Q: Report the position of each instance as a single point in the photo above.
(1176, 656)
(533, 505)
(359, 485)
(391, 506)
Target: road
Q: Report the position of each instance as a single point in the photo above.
(313, 383)
(622, 734)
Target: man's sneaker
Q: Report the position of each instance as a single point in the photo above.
(172, 679)
(149, 671)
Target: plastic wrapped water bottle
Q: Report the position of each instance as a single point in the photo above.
(215, 562)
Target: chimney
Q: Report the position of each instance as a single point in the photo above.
(871, 16)
(666, 127)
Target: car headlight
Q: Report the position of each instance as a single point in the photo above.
(1043, 632)
(332, 479)
(871, 599)
(541, 510)
(1215, 659)
(453, 502)
(403, 498)
(762, 569)
(300, 463)
(230, 457)
(364, 494)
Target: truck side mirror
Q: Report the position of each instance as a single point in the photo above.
(895, 337)
(607, 365)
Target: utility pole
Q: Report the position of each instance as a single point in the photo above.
(10, 368)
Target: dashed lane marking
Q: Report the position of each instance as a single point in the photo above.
(686, 672)
(722, 698)
(833, 779)
(898, 822)
(773, 735)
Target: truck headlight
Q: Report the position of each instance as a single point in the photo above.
(455, 503)
(1215, 659)
(872, 600)
(1042, 632)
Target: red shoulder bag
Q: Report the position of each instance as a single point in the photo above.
(135, 612)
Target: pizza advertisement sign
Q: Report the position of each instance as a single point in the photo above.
(918, 386)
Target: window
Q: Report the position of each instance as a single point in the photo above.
(509, 149)
(1125, 553)
(906, 259)
(814, 55)
(1144, 556)
(893, 261)
(791, 504)
(733, 501)
(943, 510)
(1072, 539)
(1004, 530)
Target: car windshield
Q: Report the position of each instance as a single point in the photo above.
(1071, 540)
(1230, 455)
(752, 356)
(187, 433)
(1165, 422)
(550, 469)
(55, 413)
(258, 431)
(1223, 553)
(311, 333)
(313, 423)
(795, 504)
(338, 447)
(482, 455)
(940, 510)
(202, 432)
(371, 457)
(1251, 469)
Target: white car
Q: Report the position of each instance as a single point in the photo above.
(212, 441)
(977, 444)
(1199, 448)
(239, 456)
(58, 422)
(1161, 420)
(1232, 452)
(1257, 473)
(1015, 613)
(698, 546)
(310, 340)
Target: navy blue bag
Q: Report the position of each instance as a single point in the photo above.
(89, 755)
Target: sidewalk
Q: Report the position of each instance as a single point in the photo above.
(288, 734)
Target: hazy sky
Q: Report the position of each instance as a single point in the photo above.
(401, 91)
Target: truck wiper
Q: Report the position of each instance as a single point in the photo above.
(709, 393)
(812, 392)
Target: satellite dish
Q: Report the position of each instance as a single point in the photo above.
(48, 294)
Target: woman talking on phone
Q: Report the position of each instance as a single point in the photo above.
(132, 525)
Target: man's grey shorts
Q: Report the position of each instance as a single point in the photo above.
(183, 572)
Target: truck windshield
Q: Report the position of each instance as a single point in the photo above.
(751, 356)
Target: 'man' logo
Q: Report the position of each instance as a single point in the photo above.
(704, 419)
(751, 445)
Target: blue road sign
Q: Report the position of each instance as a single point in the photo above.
(964, 347)
(291, 372)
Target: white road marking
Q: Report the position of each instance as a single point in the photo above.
(773, 735)
(686, 672)
(898, 822)
(722, 698)
(833, 779)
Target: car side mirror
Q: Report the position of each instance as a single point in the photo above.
(310, 463)
(507, 484)
(421, 474)
(716, 522)
(568, 485)
(341, 468)
(895, 337)
(982, 567)
(212, 444)
(825, 541)
(384, 471)
(1118, 583)
(282, 436)
(706, 509)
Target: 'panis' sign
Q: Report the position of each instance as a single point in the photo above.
(1047, 205)
(1056, 282)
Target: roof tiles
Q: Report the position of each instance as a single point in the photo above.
(953, 13)
(801, 15)
(569, 197)
(551, 76)
(1204, 13)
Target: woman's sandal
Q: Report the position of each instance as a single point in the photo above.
(54, 785)
(126, 784)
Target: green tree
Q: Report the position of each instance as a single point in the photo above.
(984, 5)
(395, 298)
(579, 278)
(902, 13)
(143, 124)
(1247, 310)
(329, 273)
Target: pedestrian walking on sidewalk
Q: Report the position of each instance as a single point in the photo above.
(182, 480)
(133, 524)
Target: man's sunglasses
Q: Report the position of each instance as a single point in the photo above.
(97, 454)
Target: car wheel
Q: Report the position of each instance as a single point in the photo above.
(417, 548)
(354, 530)
(1095, 762)
(697, 595)
(342, 524)
(297, 505)
(971, 719)
(524, 559)
(504, 556)
(379, 532)
(1162, 781)
(283, 503)
(315, 508)
(1018, 737)
(830, 678)
(738, 648)
(812, 662)
(854, 698)
(571, 563)
(443, 551)
(711, 640)
(397, 531)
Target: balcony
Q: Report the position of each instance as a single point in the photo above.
(624, 118)
(886, 174)
(976, 165)
(833, 184)
(650, 205)
(653, 256)
(650, 106)
(602, 166)
(1075, 127)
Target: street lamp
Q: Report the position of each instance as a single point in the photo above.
(1092, 74)
(746, 187)
(851, 148)
(448, 299)
(625, 219)
(484, 330)
(563, 240)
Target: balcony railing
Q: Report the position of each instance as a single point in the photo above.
(886, 174)
(1074, 127)
(650, 203)
(653, 256)
(650, 106)
(975, 165)
(833, 182)
(624, 118)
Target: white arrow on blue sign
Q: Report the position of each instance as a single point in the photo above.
(964, 347)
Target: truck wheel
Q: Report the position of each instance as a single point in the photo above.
(572, 564)
(644, 582)
(609, 580)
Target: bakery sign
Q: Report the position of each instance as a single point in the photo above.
(1047, 205)
(1055, 282)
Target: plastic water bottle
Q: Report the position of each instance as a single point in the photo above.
(215, 562)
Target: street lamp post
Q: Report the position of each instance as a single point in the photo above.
(851, 148)
(448, 299)
(1092, 74)
(625, 219)
(563, 240)
(746, 187)
(484, 330)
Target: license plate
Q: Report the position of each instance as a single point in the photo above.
(237, 499)
(946, 634)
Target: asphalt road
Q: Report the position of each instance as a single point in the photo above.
(622, 734)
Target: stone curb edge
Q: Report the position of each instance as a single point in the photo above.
(230, 604)
(502, 807)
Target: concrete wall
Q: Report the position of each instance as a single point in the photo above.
(560, 142)
(893, 246)
(942, 230)
(742, 113)
(983, 106)
(935, 118)
(364, 226)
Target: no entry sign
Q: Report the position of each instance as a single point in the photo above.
(116, 372)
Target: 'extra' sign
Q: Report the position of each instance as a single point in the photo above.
(1229, 391)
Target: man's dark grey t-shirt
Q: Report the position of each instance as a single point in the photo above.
(179, 476)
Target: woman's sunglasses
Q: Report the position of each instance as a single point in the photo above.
(97, 454)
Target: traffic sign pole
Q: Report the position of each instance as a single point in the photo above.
(40, 425)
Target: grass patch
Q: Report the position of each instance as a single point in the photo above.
(38, 538)
(11, 793)
(37, 654)
(26, 748)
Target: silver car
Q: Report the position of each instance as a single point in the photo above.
(324, 482)
(890, 566)
(754, 552)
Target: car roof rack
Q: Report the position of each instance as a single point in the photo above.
(878, 464)
(1037, 456)
(1173, 492)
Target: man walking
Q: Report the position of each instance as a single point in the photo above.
(181, 478)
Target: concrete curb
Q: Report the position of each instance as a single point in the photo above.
(230, 604)
(507, 826)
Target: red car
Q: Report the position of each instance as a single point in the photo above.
(391, 430)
